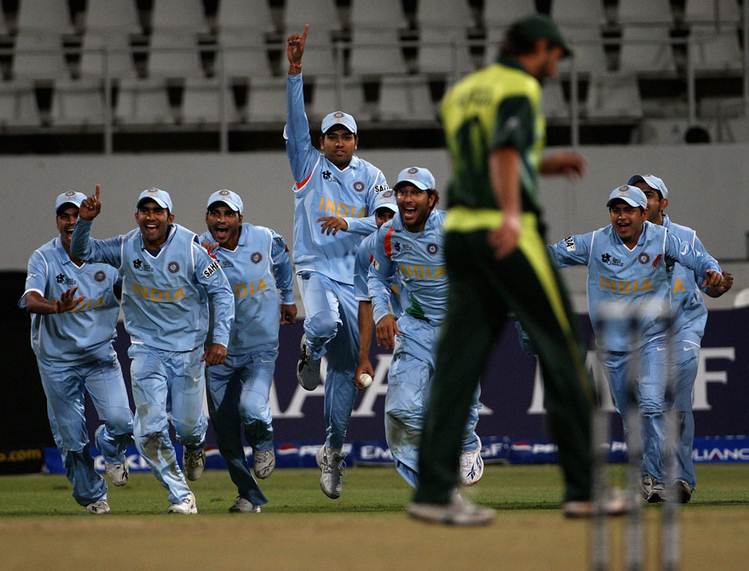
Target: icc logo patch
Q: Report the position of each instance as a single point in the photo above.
(432, 248)
(99, 276)
(358, 186)
(60, 278)
(173, 267)
(643, 258)
(256, 257)
(137, 263)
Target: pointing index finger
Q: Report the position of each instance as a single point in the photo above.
(306, 31)
(97, 192)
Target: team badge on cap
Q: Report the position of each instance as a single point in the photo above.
(413, 170)
(173, 267)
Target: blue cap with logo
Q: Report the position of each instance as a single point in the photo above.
(160, 197)
(629, 194)
(338, 118)
(386, 199)
(654, 182)
(228, 197)
(70, 197)
(417, 176)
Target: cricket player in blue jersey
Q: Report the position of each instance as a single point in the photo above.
(168, 280)
(690, 316)
(256, 263)
(330, 182)
(74, 307)
(632, 260)
(411, 246)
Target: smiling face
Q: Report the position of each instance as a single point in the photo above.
(627, 221)
(414, 205)
(382, 215)
(338, 145)
(223, 224)
(153, 221)
(67, 217)
(656, 204)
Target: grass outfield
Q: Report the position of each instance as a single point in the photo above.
(42, 527)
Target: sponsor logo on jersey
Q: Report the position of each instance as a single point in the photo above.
(569, 244)
(158, 295)
(256, 257)
(60, 278)
(173, 267)
(63, 279)
(358, 186)
(100, 276)
(421, 272)
(643, 258)
(139, 264)
(326, 174)
(211, 269)
(624, 287)
(432, 248)
(330, 207)
(607, 258)
(243, 290)
(88, 304)
(382, 188)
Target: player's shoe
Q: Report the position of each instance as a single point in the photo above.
(187, 506)
(458, 512)
(263, 463)
(615, 505)
(117, 473)
(245, 506)
(471, 466)
(98, 507)
(332, 466)
(653, 491)
(307, 368)
(194, 462)
(683, 491)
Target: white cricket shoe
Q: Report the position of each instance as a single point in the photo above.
(117, 473)
(99, 507)
(194, 463)
(471, 466)
(243, 505)
(263, 463)
(332, 466)
(458, 512)
(187, 506)
(615, 504)
(307, 368)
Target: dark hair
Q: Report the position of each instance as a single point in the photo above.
(516, 44)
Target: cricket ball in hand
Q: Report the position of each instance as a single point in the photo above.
(365, 380)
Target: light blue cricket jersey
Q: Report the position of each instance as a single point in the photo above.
(164, 297)
(78, 336)
(616, 273)
(322, 189)
(690, 311)
(258, 269)
(419, 261)
(364, 258)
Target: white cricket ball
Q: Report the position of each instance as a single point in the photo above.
(365, 380)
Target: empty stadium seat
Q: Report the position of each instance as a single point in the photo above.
(78, 103)
(713, 50)
(645, 12)
(742, 298)
(738, 129)
(325, 99)
(376, 52)
(405, 99)
(185, 15)
(244, 15)
(321, 15)
(704, 11)
(244, 53)
(319, 59)
(174, 53)
(381, 14)
(142, 102)
(444, 51)
(444, 14)
(662, 131)
(502, 14)
(18, 107)
(578, 12)
(646, 49)
(119, 61)
(48, 63)
(201, 102)
(614, 96)
(587, 45)
(267, 100)
(494, 38)
(43, 16)
(554, 105)
(112, 16)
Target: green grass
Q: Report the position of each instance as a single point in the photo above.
(366, 490)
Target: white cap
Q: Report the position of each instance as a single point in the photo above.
(386, 199)
(160, 197)
(629, 194)
(228, 197)
(338, 118)
(70, 197)
(654, 182)
(418, 176)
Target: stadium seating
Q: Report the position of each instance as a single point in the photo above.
(614, 96)
(108, 16)
(119, 61)
(382, 14)
(713, 50)
(587, 45)
(143, 102)
(321, 15)
(244, 15)
(376, 52)
(78, 103)
(267, 100)
(646, 49)
(502, 14)
(583, 13)
(325, 99)
(703, 11)
(50, 16)
(18, 106)
(174, 54)
(183, 15)
(444, 14)
(438, 54)
(554, 104)
(405, 99)
(38, 55)
(645, 11)
(201, 102)
(244, 53)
